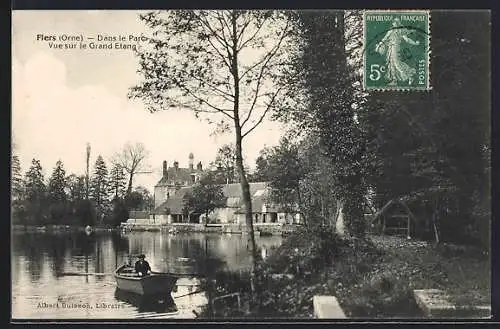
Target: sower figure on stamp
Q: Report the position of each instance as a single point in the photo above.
(391, 46)
(142, 266)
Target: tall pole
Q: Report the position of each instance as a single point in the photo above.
(87, 172)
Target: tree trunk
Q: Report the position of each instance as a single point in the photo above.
(245, 187)
(129, 187)
(301, 208)
(87, 174)
(339, 222)
(434, 223)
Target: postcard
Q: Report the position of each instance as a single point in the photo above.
(242, 165)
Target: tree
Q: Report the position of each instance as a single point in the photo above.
(225, 161)
(80, 208)
(117, 181)
(57, 193)
(204, 197)
(99, 187)
(131, 159)
(285, 172)
(120, 213)
(16, 179)
(35, 193)
(57, 183)
(419, 141)
(216, 63)
(75, 187)
(324, 105)
(134, 200)
(147, 199)
(262, 167)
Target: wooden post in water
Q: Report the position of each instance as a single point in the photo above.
(409, 236)
(211, 308)
(86, 267)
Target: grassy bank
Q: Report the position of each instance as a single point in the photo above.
(373, 278)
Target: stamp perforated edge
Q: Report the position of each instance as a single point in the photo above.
(428, 13)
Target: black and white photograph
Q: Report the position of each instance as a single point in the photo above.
(241, 165)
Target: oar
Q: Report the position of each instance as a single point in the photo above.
(191, 293)
(83, 274)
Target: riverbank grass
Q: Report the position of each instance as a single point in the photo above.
(371, 278)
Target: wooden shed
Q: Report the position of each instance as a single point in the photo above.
(395, 218)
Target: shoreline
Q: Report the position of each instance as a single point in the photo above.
(259, 229)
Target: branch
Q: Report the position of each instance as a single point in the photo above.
(243, 28)
(216, 109)
(265, 60)
(269, 106)
(223, 22)
(224, 94)
(267, 57)
(222, 40)
(224, 59)
(252, 37)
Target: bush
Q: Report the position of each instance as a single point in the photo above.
(385, 294)
(119, 214)
(85, 212)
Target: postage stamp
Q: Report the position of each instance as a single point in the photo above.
(396, 50)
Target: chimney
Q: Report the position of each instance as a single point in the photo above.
(199, 166)
(191, 159)
(165, 171)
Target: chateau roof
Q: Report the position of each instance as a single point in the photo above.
(177, 175)
(232, 192)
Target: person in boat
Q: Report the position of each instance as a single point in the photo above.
(142, 266)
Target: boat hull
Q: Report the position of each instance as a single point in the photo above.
(156, 283)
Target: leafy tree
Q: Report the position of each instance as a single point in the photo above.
(324, 104)
(204, 197)
(35, 193)
(147, 199)
(16, 179)
(225, 161)
(131, 159)
(99, 187)
(75, 187)
(17, 191)
(262, 166)
(216, 63)
(120, 213)
(134, 200)
(85, 212)
(57, 193)
(117, 181)
(419, 141)
(81, 209)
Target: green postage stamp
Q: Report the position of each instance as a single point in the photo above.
(396, 50)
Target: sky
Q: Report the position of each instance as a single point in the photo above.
(63, 99)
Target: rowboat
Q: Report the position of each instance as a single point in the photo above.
(153, 284)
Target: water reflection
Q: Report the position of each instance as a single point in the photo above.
(160, 303)
(42, 262)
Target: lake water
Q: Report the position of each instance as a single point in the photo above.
(47, 268)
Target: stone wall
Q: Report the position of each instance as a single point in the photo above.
(259, 228)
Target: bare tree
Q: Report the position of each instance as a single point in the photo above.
(220, 63)
(132, 159)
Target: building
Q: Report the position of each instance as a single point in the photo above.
(174, 178)
(172, 209)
